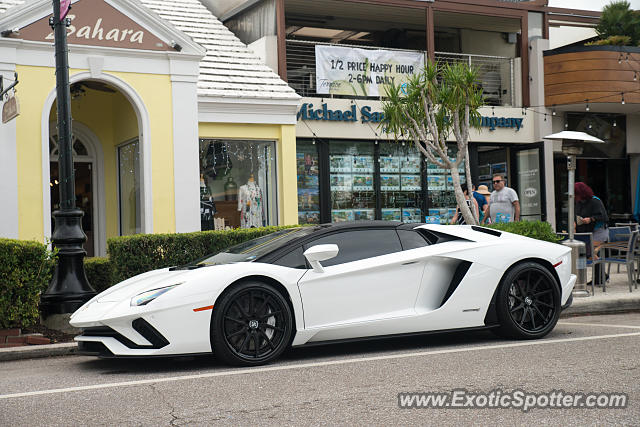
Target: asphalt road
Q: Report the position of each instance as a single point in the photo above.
(354, 384)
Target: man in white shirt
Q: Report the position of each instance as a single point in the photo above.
(504, 205)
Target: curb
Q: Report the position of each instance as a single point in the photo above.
(38, 351)
(611, 306)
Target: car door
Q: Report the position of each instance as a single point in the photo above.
(370, 279)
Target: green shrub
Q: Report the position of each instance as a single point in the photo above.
(99, 273)
(535, 229)
(26, 269)
(612, 41)
(132, 255)
(618, 19)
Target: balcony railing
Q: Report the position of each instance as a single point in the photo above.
(496, 73)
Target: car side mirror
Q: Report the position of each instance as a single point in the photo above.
(318, 253)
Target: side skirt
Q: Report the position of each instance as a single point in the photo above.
(410, 334)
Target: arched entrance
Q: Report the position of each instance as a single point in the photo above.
(111, 159)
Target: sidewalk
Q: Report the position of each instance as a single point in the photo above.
(616, 299)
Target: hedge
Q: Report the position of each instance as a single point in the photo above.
(535, 229)
(26, 268)
(99, 273)
(132, 255)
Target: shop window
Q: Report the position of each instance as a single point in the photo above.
(351, 169)
(237, 184)
(401, 190)
(129, 188)
(308, 171)
(442, 199)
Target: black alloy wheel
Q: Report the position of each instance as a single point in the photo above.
(528, 302)
(252, 324)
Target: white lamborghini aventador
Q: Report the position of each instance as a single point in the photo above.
(342, 281)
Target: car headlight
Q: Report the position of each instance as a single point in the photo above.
(148, 296)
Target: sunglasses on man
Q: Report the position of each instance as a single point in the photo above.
(495, 181)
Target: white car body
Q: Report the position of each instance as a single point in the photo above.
(397, 293)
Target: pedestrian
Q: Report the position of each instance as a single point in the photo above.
(591, 217)
(504, 205)
(458, 218)
(480, 197)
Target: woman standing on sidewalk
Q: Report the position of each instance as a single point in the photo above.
(591, 217)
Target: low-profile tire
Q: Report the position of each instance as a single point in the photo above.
(528, 302)
(252, 324)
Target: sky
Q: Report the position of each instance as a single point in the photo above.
(588, 4)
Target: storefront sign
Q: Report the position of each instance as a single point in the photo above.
(96, 23)
(10, 109)
(364, 115)
(363, 72)
(309, 112)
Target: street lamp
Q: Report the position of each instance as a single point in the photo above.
(69, 288)
(571, 147)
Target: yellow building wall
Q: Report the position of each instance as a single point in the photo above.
(112, 118)
(285, 137)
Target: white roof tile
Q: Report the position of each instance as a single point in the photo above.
(230, 68)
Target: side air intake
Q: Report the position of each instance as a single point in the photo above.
(458, 275)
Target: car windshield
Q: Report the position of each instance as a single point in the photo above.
(255, 248)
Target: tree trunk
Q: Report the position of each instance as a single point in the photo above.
(469, 218)
(467, 168)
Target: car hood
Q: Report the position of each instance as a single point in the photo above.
(142, 283)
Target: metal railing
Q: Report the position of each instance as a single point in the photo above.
(496, 73)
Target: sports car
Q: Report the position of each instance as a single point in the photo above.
(307, 285)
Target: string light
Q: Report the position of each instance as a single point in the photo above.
(622, 95)
(553, 112)
(545, 117)
(614, 123)
(587, 101)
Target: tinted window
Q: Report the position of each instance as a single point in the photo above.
(411, 239)
(294, 259)
(359, 244)
(252, 249)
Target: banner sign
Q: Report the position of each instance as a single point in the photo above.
(10, 109)
(363, 72)
(65, 5)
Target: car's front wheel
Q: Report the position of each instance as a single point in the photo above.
(252, 324)
(528, 302)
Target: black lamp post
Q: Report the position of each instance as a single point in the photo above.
(69, 288)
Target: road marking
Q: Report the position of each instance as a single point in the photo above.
(607, 325)
(243, 371)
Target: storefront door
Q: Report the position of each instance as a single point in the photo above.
(527, 180)
(84, 199)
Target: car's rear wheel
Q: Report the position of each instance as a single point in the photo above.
(252, 324)
(528, 302)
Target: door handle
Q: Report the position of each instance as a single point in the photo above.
(409, 263)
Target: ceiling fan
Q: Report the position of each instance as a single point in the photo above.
(80, 88)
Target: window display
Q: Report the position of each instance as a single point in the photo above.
(308, 185)
(237, 184)
(351, 168)
(401, 190)
(442, 199)
(366, 180)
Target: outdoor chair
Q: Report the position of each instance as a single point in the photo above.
(618, 234)
(624, 257)
(633, 226)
